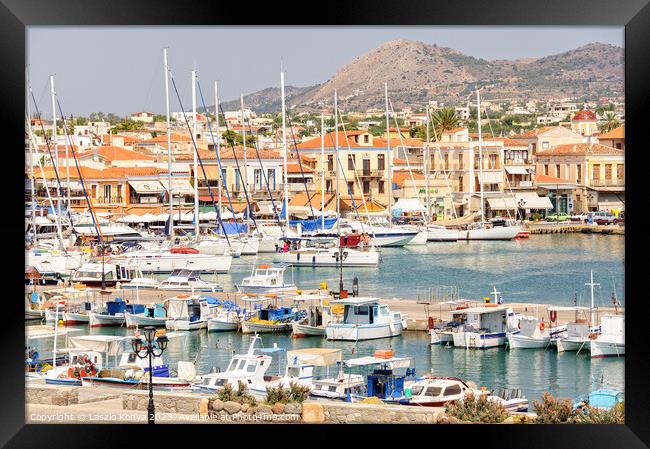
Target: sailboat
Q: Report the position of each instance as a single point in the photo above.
(481, 230)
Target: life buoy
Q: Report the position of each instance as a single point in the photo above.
(553, 315)
(541, 326)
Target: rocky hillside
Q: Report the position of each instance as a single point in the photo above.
(416, 72)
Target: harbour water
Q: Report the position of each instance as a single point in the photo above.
(545, 269)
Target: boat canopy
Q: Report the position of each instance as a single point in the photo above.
(110, 344)
(45, 331)
(356, 301)
(481, 310)
(394, 362)
(315, 356)
(566, 308)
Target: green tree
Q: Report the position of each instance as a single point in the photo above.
(610, 123)
(128, 125)
(444, 120)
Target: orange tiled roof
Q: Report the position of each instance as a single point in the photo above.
(295, 168)
(616, 133)
(545, 179)
(227, 153)
(534, 132)
(454, 130)
(508, 142)
(584, 115)
(403, 177)
(580, 149)
(106, 138)
(330, 139)
(112, 153)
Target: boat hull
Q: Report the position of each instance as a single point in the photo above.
(601, 349)
(516, 341)
(155, 262)
(260, 289)
(564, 345)
(478, 340)
(71, 318)
(420, 238)
(327, 258)
(352, 332)
(185, 325)
(495, 233)
(222, 326)
(248, 327)
(442, 235)
(137, 320)
(100, 319)
(305, 330)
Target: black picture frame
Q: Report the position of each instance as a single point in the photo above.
(16, 15)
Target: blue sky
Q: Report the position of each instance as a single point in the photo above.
(119, 69)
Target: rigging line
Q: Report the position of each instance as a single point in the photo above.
(408, 164)
(446, 177)
(152, 83)
(54, 166)
(234, 153)
(198, 156)
(266, 181)
(83, 183)
(302, 173)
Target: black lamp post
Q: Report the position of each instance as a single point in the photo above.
(145, 349)
(340, 256)
(521, 205)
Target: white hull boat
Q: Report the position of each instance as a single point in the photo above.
(138, 320)
(185, 325)
(71, 318)
(611, 341)
(572, 344)
(166, 262)
(326, 257)
(479, 340)
(421, 238)
(441, 234)
(268, 244)
(494, 233)
(600, 348)
(52, 262)
(521, 341)
(100, 319)
(305, 330)
(266, 279)
(364, 319)
(251, 327)
(250, 246)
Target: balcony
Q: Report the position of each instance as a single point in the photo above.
(369, 173)
(608, 182)
(109, 200)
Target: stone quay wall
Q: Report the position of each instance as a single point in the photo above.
(52, 395)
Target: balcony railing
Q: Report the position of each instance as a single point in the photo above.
(608, 182)
(109, 200)
(369, 173)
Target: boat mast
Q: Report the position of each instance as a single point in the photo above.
(480, 152)
(390, 160)
(216, 114)
(243, 126)
(196, 168)
(336, 151)
(169, 147)
(427, 161)
(31, 154)
(54, 141)
(322, 170)
(284, 145)
(592, 285)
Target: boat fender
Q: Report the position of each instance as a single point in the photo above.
(430, 322)
(553, 315)
(541, 326)
(298, 257)
(313, 260)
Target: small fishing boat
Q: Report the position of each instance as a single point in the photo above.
(484, 327)
(114, 313)
(532, 334)
(364, 319)
(325, 255)
(187, 313)
(154, 315)
(602, 398)
(611, 340)
(272, 318)
(90, 274)
(319, 314)
(186, 280)
(387, 377)
(267, 279)
(437, 391)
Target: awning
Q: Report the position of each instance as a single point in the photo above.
(99, 343)
(533, 201)
(516, 170)
(408, 205)
(146, 186)
(211, 171)
(314, 356)
(179, 186)
(74, 185)
(506, 203)
(491, 177)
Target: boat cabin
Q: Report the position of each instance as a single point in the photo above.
(91, 274)
(364, 311)
(266, 276)
(387, 377)
(497, 319)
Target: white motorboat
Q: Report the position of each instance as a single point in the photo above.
(421, 238)
(490, 233)
(226, 320)
(611, 340)
(246, 368)
(532, 334)
(218, 246)
(250, 245)
(113, 315)
(319, 314)
(484, 327)
(161, 261)
(437, 391)
(52, 262)
(326, 257)
(364, 319)
(339, 388)
(90, 274)
(154, 315)
(267, 279)
(187, 313)
(436, 233)
(189, 280)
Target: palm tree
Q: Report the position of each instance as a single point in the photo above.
(444, 120)
(610, 123)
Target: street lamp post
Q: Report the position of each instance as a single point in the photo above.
(149, 350)
(521, 205)
(340, 256)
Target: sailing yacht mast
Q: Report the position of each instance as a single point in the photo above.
(480, 153)
(196, 168)
(243, 126)
(169, 147)
(427, 161)
(54, 141)
(216, 115)
(284, 145)
(390, 160)
(322, 170)
(31, 155)
(336, 151)
(592, 285)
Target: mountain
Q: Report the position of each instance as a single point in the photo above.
(417, 72)
(266, 100)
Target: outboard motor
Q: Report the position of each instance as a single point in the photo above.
(355, 286)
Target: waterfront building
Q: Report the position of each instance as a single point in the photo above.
(614, 138)
(547, 137)
(584, 123)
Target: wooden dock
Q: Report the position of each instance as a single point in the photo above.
(569, 227)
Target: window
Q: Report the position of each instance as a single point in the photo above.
(250, 368)
(595, 173)
(608, 171)
(452, 390)
(416, 390)
(224, 176)
(434, 391)
(330, 162)
(361, 310)
(544, 145)
(460, 161)
(381, 162)
(619, 146)
(366, 138)
(557, 171)
(384, 311)
(460, 184)
(237, 178)
(381, 186)
(328, 185)
(366, 187)
(579, 176)
(620, 172)
(446, 161)
(351, 161)
(351, 187)
(546, 169)
(107, 191)
(257, 176)
(271, 178)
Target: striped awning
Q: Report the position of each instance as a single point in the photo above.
(146, 186)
